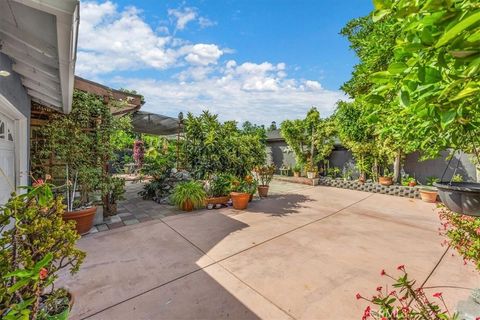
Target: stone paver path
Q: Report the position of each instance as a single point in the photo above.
(134, 209)
(297, 255)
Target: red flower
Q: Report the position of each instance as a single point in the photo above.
(401, 267)
(366, 313)
(437, 295)
(358, 296)
(382, 273)
(38, 183)
(379, 288)
(43, 274)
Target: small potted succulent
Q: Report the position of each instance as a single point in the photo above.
(386, 179)
(241, 192)
(429, 193)
(218, 190)
(264, 175)
(31, 266)
(188, 195)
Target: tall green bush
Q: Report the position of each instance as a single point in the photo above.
(212, 147)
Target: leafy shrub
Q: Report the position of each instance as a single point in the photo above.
(188, 191)
(33, 249)
(219, 185)
(264, 174)
(211, 147)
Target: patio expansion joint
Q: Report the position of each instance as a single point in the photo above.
(218, 262)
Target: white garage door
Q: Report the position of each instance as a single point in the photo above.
(7, 157)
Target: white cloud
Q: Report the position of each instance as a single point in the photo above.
(183, 16)
(235, 91)
(113, 39)
(117, 40)
(203, 54)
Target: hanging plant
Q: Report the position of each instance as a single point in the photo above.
(138, 153)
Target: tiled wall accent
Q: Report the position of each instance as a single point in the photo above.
(393, 190)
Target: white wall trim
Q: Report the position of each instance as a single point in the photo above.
(21, 140)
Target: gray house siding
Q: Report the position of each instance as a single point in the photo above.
(11, 87)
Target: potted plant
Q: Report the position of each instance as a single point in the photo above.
(386, 179)
(251, 186)
(429, 193)
(80, 210)
(115, 191)
(409, 181)
(297, 170)
(240, 194)
(311, 170)
(264, 175)
(361, 178)
(33, 250)
(188, 195)
(218, 190)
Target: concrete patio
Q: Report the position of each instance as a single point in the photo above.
(301, 254)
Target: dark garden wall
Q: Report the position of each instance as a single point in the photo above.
(435, 167)
(412, 165)
(278, 154)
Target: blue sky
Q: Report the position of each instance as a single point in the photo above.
(245, 60)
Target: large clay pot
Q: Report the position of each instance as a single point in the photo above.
(240, 200)
(460, 197)
(385, 181)
(187, 205)
(429, 195)
(83, 219)
(263, 191)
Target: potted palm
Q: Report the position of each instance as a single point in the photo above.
(264, 175)
(240, 194)
(188, 195)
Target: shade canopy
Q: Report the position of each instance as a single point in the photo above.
(156, 124)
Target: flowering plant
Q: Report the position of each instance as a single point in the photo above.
(138, 153)
(404, 301)
(463, 234)
(35, 243)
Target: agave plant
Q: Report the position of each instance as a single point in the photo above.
(188, 195)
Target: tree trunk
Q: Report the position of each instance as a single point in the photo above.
(396, 167)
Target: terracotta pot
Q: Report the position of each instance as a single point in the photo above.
(263, 191)
(428, 195)
(385, 181)
(83, 219)
(240, 200)
(217, 200)
(412, 183)
(296, 174)
(187, 205)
